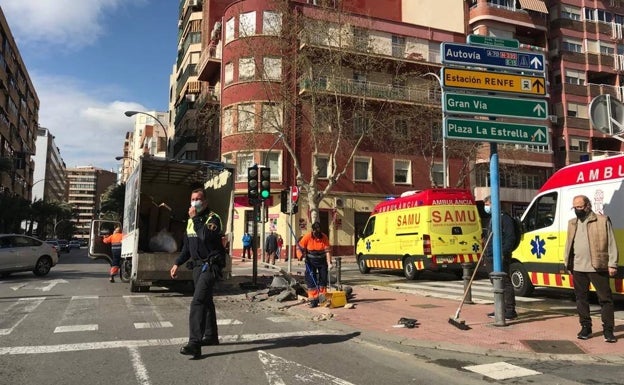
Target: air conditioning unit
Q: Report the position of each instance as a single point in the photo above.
(338, 203)
(552, 118)
(191, 97)
(193, 3)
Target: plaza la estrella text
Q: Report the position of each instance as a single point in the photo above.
(484, 130)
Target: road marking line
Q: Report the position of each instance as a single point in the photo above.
(279, 319)
(43, 349)
(140, 371)
(501, 370)
(153, 325)
(276, 367)
(225, 322)
(17, 312)
(75, 328)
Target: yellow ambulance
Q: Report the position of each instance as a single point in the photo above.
(433, 229)
(539, 259)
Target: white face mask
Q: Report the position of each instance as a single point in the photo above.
(197, 205)
(487, 209)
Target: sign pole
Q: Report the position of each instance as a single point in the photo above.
(290, 237)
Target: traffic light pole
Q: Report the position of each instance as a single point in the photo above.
(254, 248)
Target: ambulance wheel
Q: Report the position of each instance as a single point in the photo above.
(362, 266)
(409, 268)
(520, 280)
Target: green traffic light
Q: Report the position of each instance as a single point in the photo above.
(265, 194)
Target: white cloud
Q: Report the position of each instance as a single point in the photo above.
(87, 129)
(67, 23)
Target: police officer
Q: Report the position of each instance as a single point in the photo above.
(203, 245)
(315, 249)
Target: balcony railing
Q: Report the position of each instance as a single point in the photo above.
(374, 90)
(369, 46)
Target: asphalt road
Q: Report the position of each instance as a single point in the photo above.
(74, 327)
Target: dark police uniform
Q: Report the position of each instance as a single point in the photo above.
(203, 245)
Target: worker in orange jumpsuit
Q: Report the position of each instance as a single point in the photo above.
(315, 249)
(115, 241)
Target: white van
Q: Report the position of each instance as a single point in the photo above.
(539, 259)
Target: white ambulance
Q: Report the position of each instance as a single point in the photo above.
(433, 229)
(539, 259)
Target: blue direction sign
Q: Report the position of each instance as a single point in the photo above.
(470, 55)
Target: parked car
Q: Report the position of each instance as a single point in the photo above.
(64, 244)
(54, 243)
(74, 245)
(23, 253)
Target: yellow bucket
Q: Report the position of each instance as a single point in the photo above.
(337, 298)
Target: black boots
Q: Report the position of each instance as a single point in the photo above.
(191, 350)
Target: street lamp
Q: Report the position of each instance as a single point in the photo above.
(132, 113)
(444, 166)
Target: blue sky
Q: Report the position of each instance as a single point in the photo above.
(91, 60)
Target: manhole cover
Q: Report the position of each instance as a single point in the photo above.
(426, 306)
(553, 346)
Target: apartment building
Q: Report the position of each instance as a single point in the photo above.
(50, 179)
(86, 186)
(267, 75)
(19, 116)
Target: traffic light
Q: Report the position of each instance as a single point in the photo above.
(252, 184)
(284, 198)
(265, 183)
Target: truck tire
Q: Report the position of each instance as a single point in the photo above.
(520, 280)
(134, 288)
(409, 268)
(362, 265)
(125, 270)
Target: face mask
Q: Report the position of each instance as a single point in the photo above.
(487, 209)
(580, 214)
(197, 205)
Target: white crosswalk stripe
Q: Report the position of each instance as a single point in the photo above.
(81, 313)
(481, 290)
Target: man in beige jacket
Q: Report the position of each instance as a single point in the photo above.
(591, 256)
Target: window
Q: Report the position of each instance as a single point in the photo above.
(246, 68)
(228, 121)
(228, 75)
(244, 160)
(402, 171)
(271, 117)
(571, 46)
(246, 117)
(271, 23)
(539, 214)
(361, 124)
(272, 68)
(362, 169)
(323, 166)
(577, 110)
(247, 25)
(607, 49)
(398, 46)
(272, 159)
(574, 77)
(229, 30)
(437, 173)
(400, 128)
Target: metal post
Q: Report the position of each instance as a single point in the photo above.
(445, 182)
(497, 275)
(467, 270)
(290, 238)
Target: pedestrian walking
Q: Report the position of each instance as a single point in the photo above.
(247, 246)
(204, 247)
(591, 256)
(270, 248)
(280, 245)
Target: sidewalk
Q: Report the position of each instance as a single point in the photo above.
(534, 334)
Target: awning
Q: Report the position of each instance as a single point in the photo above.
(534, 5)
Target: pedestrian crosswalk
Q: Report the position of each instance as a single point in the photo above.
(85, 313)
(481, 290)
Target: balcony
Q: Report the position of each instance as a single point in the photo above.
(210, 62)
(373, 90)
(376, 45)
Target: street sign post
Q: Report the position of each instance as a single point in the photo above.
(493, 131)
(493, 81)
(493, 41)
(469, 55)
(469, 104)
